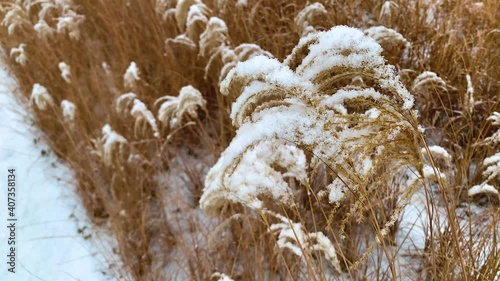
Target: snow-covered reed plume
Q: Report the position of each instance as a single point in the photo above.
(173, 109)
(469, 102)
(223, 4)
(19, 54)
(242, 52)
(143, 118)
(307, 104)
(41, 97)
(241, 3)
(491, 173)
(196, 21)
(70, 23)
(131, 77)
(495, 138)
(181, 41)
(294, 237)
(183, 49)
(15, 18)
(216, 48)
(482, 189)
(438, 153)
(165, 8)
(124, 103)
(68, 111)
(428, 80)
(492, 163)
(110, 147)
(221, 276)
(386, 11)
(308, 17)
(65, 71)
(495, 118)
(214, 37)
(303, 101)
(182, 10)
(44, 30)
(493, 166)
(388, 38)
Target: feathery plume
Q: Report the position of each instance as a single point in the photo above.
(428, 80)
(111, 145)
(131, 77)
(388, 38)
(143, 117)
(386, 10)
(15, 18)
(307, 17)
(41, 97)
(65, 71)
(44, 30)
(68, 110)
(123, 103)
(20, 54)
(469, 95)
(173, 109)
(70, 23)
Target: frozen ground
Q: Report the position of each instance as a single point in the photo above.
(54, 240)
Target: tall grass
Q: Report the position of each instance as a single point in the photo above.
(102, 78)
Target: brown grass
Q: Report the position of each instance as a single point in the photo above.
(463, 39)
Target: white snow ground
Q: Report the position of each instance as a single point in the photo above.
(49, 214)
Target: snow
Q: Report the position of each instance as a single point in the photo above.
(69, 110)
(43, 29)
(70, 22)
(495, 118)
(428, 79)
(112, 144)
(493, 164)
(485, 188)
(49, 215)
(123, 103)
(41, 97)
(131, 76)
(19, 54)
(173, 109)
(469, 95)
(309, 13)
(65, 71)
(142, 115)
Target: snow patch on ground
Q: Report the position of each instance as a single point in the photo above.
(55, 240)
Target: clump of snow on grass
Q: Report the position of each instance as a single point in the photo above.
(110, 145)
(65, 71)
(493, 166)
(70, 23)
(43, 29)
(469, 95)
(131, 77)
(19, 54)
(124, 103)
(142, 117)
(41, 97)
(68, 110)
(222, 277)
(307, 16)
(483, 188)
(293, 236)
(426, 80)
(173, 109)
